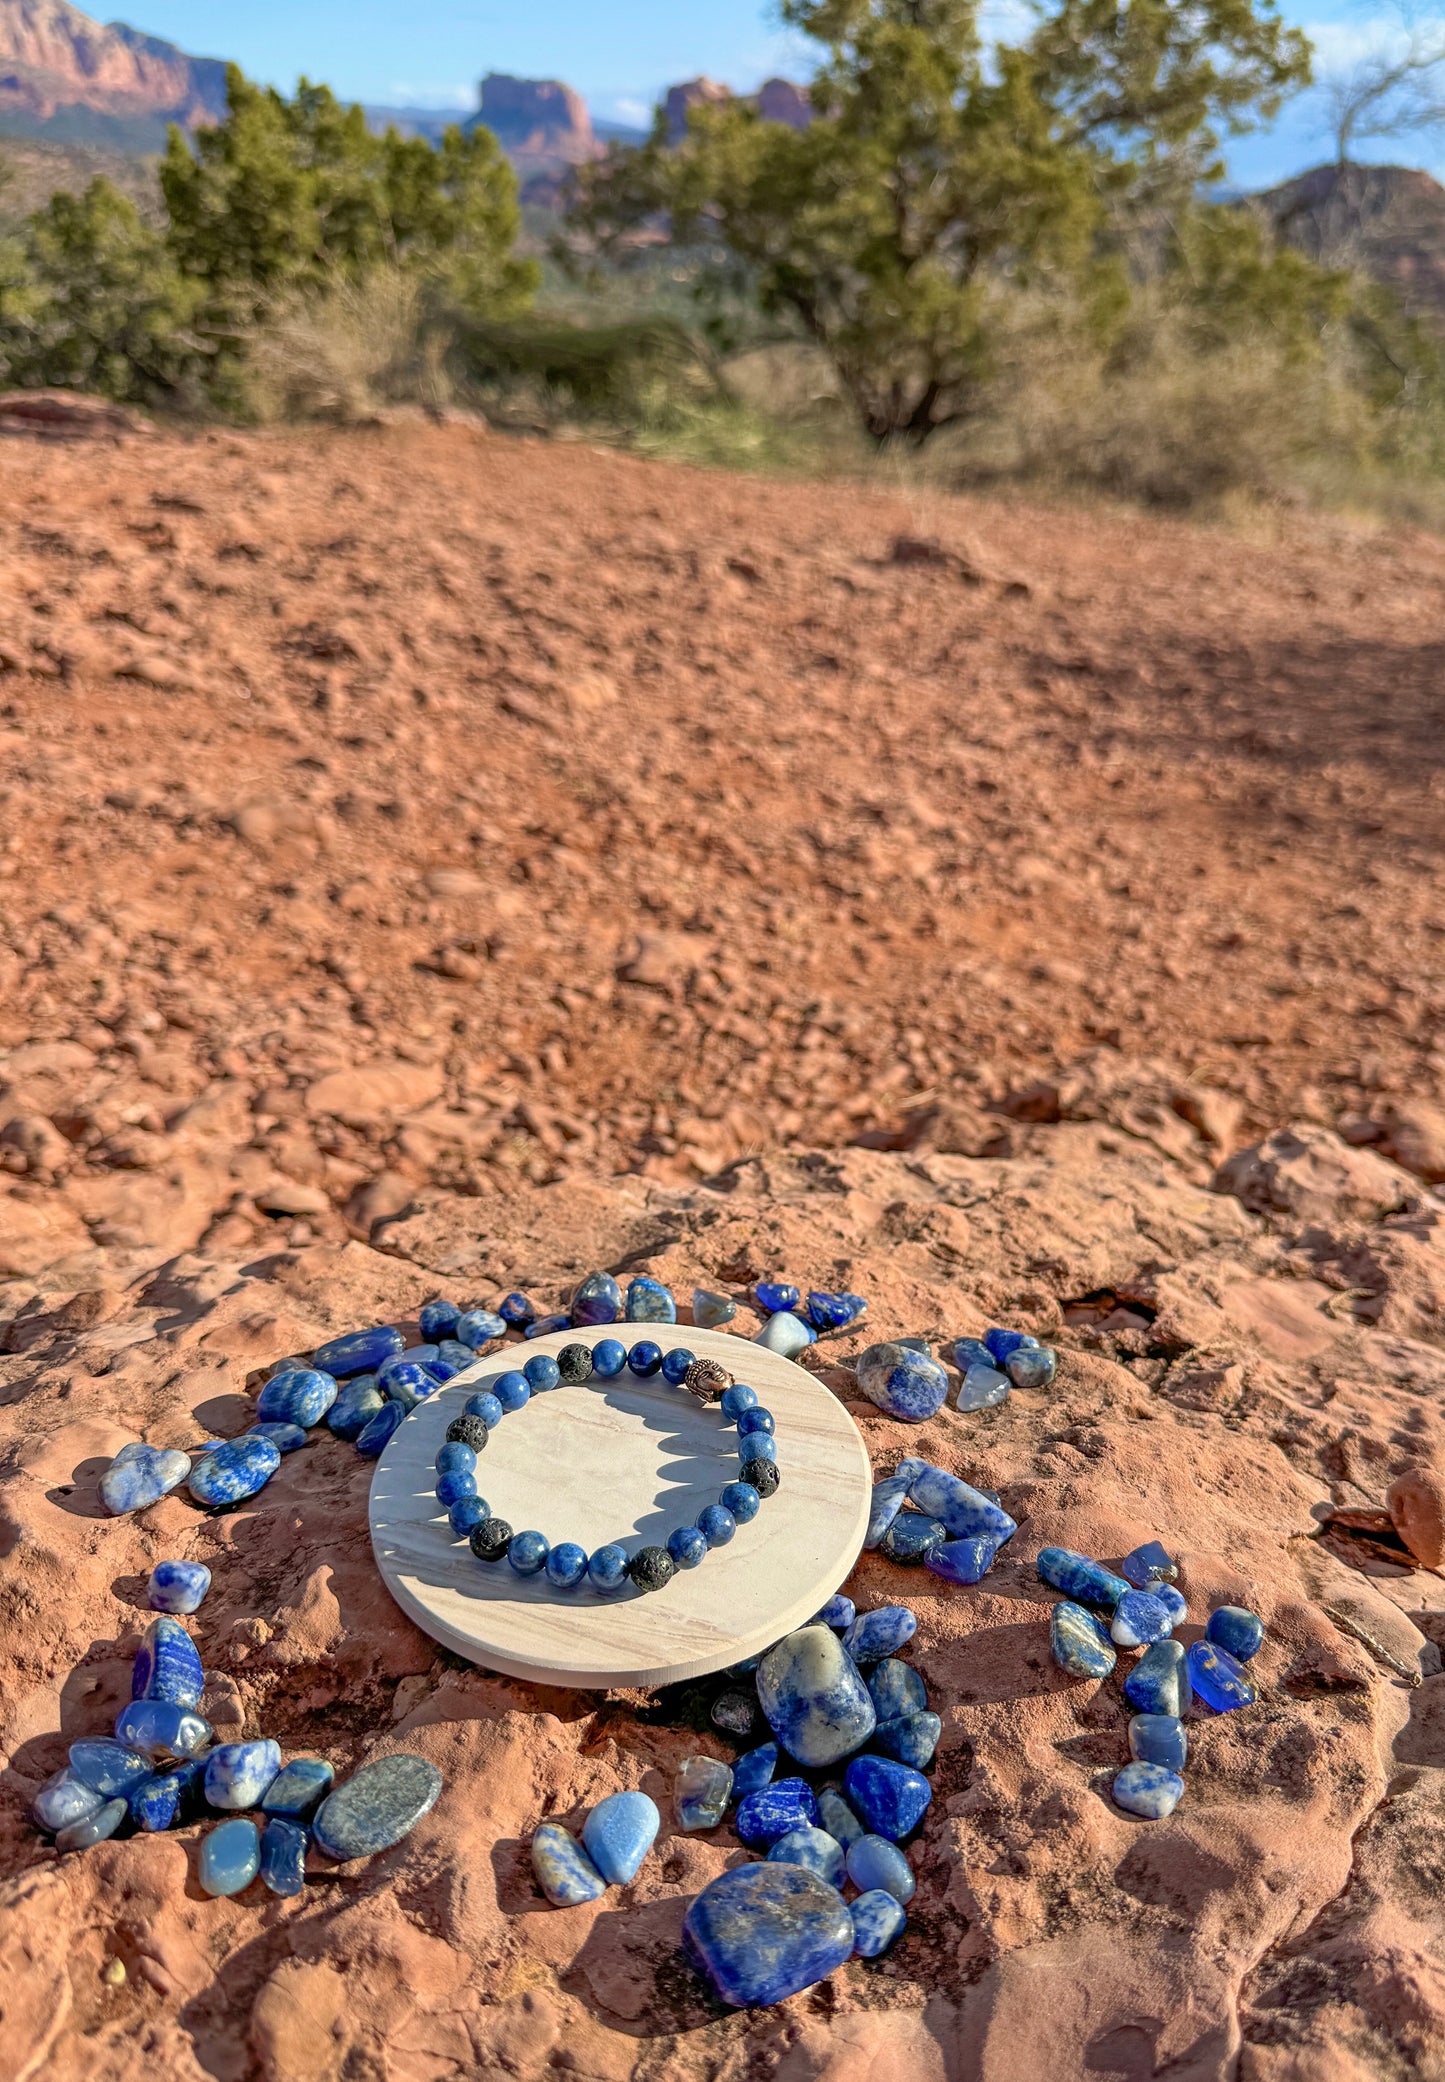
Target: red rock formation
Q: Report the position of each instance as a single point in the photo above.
(537, 121)
(55, 59)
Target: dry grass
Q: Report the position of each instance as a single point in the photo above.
(345, 352)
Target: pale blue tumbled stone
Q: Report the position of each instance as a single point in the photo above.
(982, 1388)
(813, 1848)
(890, 1799)
(1159, 1738)
(141, 1475)
(838, 1818)
(1080, 1578)
(296, 1789)
(107, 1767)
(177, 1586)
(620, 1831)
(158, 1729)
(648, 1301)
(359, 1352)
(1159, 1681)
(357, 1402)
(875, 1862)
(283, 1856)
(839, 1613)
(168, 1665)
(754, 1770)
(299, 1396)
(786, 1803)
(896, 1688)
(889, 1496)
(1149, 1565)
(785, 1335)
(455, 1353)
(815, 1701)
(902, 1383)
(597, 1300)
(910, 1737)
(877, 1921)
(701, 1792)
(234, 1472)
(1148, 1790)
(879, 1633)
(964, 1512)
(92, 1829)
(1078, 1643)
(377, 1806)
(761, 1933)
(230, 1857)
(240, 1774)
(65, 1798)
(1236, 1630)
(710, 1311)
(964, 1561)
(1140, 1619)
(564, 1871)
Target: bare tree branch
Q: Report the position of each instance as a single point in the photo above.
(1391, 94)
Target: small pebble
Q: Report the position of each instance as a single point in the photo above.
(1159, 1681)
(1032, 1366)
(296, 1789)
(1236, 1630)
(754, 1770)
(763, 1932)
(479, 1326)
(286, 1438)
(299, 1395)
(835, 1311)
(875, 1862)
(564, 1871)
(764, 1816)
(1148, 1565)
(230, 1857)
(141, 1475)
(1220, 1682)
(438, 1319)
(812, 1848)
(618, 1834)
(701, 1792)
(1078, 1643)
(964, 1561)
(376, 1807)
(1148, 1790)
(1140, 1619)
(896, 1688)
(890, 1799)
(785, 1334)
(362, 1352)
(982, 1388)
(877, 1920)
(1159, 1738)
(160, 1730)
(177, 1586)
(837, 1817)
(65, 1798)
(902, 1383)
(912, 1537)
(597, 1300)
(911, 1737)
(1086, 1581)
(734, 1712)
(880, 1633)
(517, 1311)
(649, 1301)
(107, 1767)
(233, 1472)
(93, 1828)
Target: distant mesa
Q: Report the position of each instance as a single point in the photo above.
(536, 121)
(776, 101)
(64, 76)
(1388, 221)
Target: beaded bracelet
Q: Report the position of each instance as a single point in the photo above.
(567, 1565)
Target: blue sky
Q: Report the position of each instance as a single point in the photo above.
(619, 54)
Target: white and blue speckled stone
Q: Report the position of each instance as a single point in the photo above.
(904, 1384)
(761, 1933)
(377, 1806)
(877, 1920)
(240, 1774)
(168, 1665)
(141, 1475)
(234, 1471)
(815, 1700)
(177, 1586)
(1148, 1790)
(813, 1848)
(564, 1871)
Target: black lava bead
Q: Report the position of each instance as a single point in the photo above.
(491, 1539)
(574, 1363)
(650, 1568)
(763, 1474)
(472, 1431)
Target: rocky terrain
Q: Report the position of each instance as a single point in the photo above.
(435, 862)
(62, 72)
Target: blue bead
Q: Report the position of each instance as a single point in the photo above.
(65, 1798)
(690, 1543)
(761, 1933)
(357, 1402)
(298, 1788)
(1001, 1343)
(1148, 1565)
(963, 1561)
(1236, 1630)
(912, 1537)
(875, 1862)
(648, 1301)
(904, 1384)
(597, 1300)
(815, 1701)
(379, 1429)
(518, 1311)
(618, 1834)
(109, 1768)
(239, 1774)
(438, 1319)
(755, 1418)
(564, 1871)
(675, 1364)
(542, 1372)
(877, 1921)
(717, 1525)
(710, 1311)
(755, 1769)
(455, 1457)
(890, 1799)
(376, 1807)
(835, 1311)
(1159, 1738)
(645, 1359)
(895, 1688)
(486, 1407)
(297, 1397)
(1159, 1681)
(910, 1737)
(230, 1857)
(547, 1326)
(1148, 1790)
(453, 1487)
(234, 1472)
(512, 1390)
(888, 1500)
(466, 1512)
(880, 1632)
(168, 1665)
(609, 1357)
(362, 1352)
(776, 1296)
(736, 1400)
(1219, 1682)
(528, 1553)
(283, 1856)
(1078, 1643)
(813, 1849)
(839, 1612)
(141, 1475)
(742, 1500)
(1079, 1578)
(479, 1326)
(757, 1445)
(607, 1568)
(286, 1438)
(770, 1812)
(566, 1565)
(1141, 1619)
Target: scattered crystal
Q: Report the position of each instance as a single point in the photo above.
(1236, 1630)
(438, 1319)
(1141, 1619)
(296, 1790)
(649, 1301)
(1032, 1366)
(710, 1311)
(784, 1334)
(890, 1799)
(875, 1862)
(478, 1327)
(168, 1665)
(234, 1472)
(880, 1633)
(377, 1431)
(1159, 1738)
(362, 1352)
(141, 1475)
(982, 1388)
(835, 1311)
(754, 1770)
(564, 1871)
(896, 1688)
(912, 1538)
(283, 1856)
(66, 1798)
(107, 1767)
(964, 1561)
(963, 1511)
(517, 1311)
(300, 1395)
(813, 1848)
(776, 1296)
(762, 1817)
(1159, 1681)
(377, 1807)
(904, 1384)
(1000, 1343)
(910, 1737)
(815, 1701)
(1219, 1681)
(230, 1857)
(618, 1834)
(877, 1921)
(158, 1729)
(597, 1300)
(1078, 1577)
(240, 1774)
(701, 1792)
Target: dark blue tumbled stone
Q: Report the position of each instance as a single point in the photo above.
(169, 1797)
(300, 1395)
(1159, 1682)
(355, 1406)
(518, 1311)
(1236, 1630)
(1080, 1578)
(754, 1770)
(379, 1429)
(1001, 1343)
(234, 1471)
(360, 1352)
(775, 1296)
(903, 1383)
(895, 1687)
(177, 1586)
(835, 1311)
(911, 1538)
(286, 1438)
(1148, 1565)
(761, 1933)
(377, 1807)
(881, 1632)
(283, 1856)
(438, 1319)
(688, 1544)
(168, 1665)
(597, 1300)
(1219, 1682)
(910, 1737)
(296, 1790)
(649, 1301)
(963, 1561)
(889, 1798)
(770, 1812)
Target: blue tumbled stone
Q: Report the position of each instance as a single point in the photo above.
(770, 1812)
(542, 1373)
(880, 1633)
(910, 1737)
(1171, 1599)
(357, 1402)
(839, 1613)
(742, 1500)
(785, 1334)
(286, 1438)
(912, 1538)
(239, 1774)
(479, 1326)
(230, 1857)
(1001, 1343)
(92, 1829)
(234, 1472)
(1148, 1790)
(283, 1856)
(547, 1326)
(838, 1818)
(814, 1699)
(1032, 1366)
(649, 1301)
(486, 1407)
(177, 1586)
(564, 1871)
(168, 1665)
(66, 1798)
(618, 1834)
(716, 1524)
(775, 1296)
(874, 1862)
(688, 1544)
(378, 1429)
(971, 1351)
(835, 1311)
(528, 1553)
(455, 1486)
(1159, 1738)
(404, 1366)
(1159, 1681)
(377, 1807)
(904, 1384)
(296, 1789)
(675, 1365)
(813, 1848)
(609, 1357)
(155, 1803)
(107, 1767)
(710, 1311)
(963, 1511)
(889, 1496)
(455, 1353)
(1078, 1643)
(1219, 1682)
(407, 1382)
(517, 1311)
(159, 1730)
(566, 1565)
(141, 1475)
(466, 1512)
(361, 1352)
(896, 1688)
(1149, 1565)
(701, 1792)
(877, 1921)
(300, 1396)
(1236, 1630)
(754, 1770)
(512, 1390)
(1140, 1619)
(982, 1388)
(438, 1319)
(607, 1569)
(963, 1561)
(441, 1370)
(890, 1799)
(1079, 1578)
(597, 1300)
(761, 1933)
